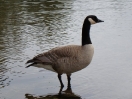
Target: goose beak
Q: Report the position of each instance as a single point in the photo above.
(99, 21)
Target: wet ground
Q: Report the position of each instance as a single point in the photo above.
(30, 27)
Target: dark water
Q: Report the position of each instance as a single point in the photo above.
(34, 26)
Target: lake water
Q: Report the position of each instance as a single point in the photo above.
(30, 27)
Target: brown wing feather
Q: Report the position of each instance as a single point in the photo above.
(56, 53)
(56, 56)
(66, 51)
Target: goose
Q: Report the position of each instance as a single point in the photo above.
(71, 58)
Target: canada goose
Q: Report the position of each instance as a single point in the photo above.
(71, 58)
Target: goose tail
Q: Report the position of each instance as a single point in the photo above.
(32, 61)
(38, 60)
(30, 65)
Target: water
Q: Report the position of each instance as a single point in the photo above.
(34, 26)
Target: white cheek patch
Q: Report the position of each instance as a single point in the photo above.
(91, 21)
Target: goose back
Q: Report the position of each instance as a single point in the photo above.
(67, 59)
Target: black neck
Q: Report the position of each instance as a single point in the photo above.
(86, 33)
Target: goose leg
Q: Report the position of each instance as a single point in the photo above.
(59, 77)
(69, 79)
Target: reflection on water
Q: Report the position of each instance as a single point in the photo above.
(29, 27)
(67, 94)
(29, 24)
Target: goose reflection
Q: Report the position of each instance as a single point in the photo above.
(67, 94)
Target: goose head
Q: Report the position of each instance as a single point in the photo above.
(89, 20)
(93, 19)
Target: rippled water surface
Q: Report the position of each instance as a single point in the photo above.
(30, 27)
